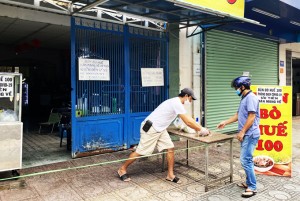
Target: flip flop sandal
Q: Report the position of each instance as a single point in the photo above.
(248, 194)
(242, 185)
(175, 180)
(124, 177)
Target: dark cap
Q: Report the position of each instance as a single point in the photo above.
(189, 92)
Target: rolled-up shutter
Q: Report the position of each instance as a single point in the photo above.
(228, 55)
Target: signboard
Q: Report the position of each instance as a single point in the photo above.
(281, 63)
(273, 154)
(6, 86)
(93, 69)
(232, 7)
(152, 77)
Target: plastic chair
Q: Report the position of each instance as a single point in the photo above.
(54, 118)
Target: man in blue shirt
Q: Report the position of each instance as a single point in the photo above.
(248, 130)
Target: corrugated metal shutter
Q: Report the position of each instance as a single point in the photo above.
(228, 55)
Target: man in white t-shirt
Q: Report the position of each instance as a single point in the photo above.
(154, 134)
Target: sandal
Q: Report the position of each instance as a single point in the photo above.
(175, 180)
(248, 194)
(124, 177)
(242, 185)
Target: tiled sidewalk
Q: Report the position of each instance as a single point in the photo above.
(148, 182)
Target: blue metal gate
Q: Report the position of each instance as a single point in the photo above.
(106, 115)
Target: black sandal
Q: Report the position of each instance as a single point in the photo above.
(248, 194)
(242, 185)
(124, 177)
(175, 180)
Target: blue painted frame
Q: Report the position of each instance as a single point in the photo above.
(112, 131)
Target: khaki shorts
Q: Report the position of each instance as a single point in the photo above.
(152, 139)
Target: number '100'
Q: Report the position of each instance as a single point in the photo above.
(268, 145)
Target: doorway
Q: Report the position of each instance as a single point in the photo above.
(296, 86)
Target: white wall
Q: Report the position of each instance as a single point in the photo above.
(295, 48)
(189, 68)
(34, 15)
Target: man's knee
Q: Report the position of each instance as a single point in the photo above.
(171, 150)
(246, 161)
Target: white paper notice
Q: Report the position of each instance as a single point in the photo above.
(93, 69)
(152, 77)
(269, 95)
(6, 86)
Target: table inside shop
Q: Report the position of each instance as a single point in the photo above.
(206, 142)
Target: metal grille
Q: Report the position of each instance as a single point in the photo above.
(288, 68)
(113, 110)
(101, 97)
(146, 53)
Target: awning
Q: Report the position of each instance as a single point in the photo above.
(148, 13)
(169, 11)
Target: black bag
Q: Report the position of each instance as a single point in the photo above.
(147, 126)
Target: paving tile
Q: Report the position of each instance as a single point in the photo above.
(92, 190)
(133, 193)
(116, 183)
(157, 186)
(34, 199)
(142, 177)
(175, 195)
(82, 161)
(105, 197)
(194, 189)
(62, 195)
(18, 194)
(151, 198)
(44, 187)
(80, 180)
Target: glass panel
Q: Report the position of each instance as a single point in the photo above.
(10, 97)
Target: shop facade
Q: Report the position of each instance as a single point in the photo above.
(106, 113)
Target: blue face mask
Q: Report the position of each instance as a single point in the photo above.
(238, 92)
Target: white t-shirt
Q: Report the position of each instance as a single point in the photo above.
(165, 113)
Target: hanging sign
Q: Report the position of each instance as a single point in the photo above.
(6, 86)
(273, 154)
(232, 7)
(152, 77)
(93, 69)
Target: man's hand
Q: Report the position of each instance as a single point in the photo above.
(240, 136)
(221, 125)
(204, 132)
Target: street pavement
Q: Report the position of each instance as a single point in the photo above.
(75, 181)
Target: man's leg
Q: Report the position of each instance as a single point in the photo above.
(247, 148)
(129, 161)
(170, 160)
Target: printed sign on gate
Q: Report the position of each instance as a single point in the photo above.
(273, 154)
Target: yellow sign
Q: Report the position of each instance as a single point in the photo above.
(273, 154)
(232, 7)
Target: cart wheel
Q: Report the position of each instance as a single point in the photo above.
(15, 173)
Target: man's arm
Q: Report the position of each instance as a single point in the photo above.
(248, 124)
(232, 119)
(190, 122)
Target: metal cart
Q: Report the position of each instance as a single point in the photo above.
(11, 127)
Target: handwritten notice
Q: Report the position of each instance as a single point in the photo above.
(269, 95)
(152, 77)
(93, 69)
(6, 86)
